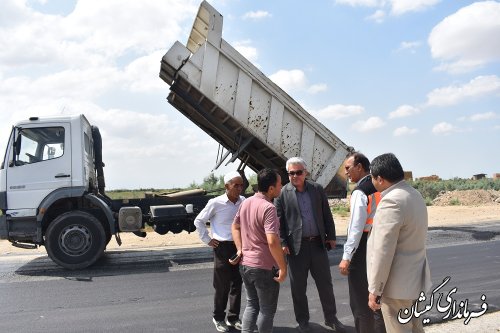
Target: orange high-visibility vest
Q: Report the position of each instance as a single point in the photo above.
(373, 200)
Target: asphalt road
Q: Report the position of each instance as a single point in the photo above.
(169, 290)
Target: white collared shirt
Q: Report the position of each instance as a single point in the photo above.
(220, 212)
(359, 204)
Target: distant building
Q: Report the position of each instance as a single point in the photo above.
(478, 176)
(496, 176)
(408, 175)
(433, 178)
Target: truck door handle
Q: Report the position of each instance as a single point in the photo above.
(62, 175)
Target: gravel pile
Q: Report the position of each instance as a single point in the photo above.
(467, 198)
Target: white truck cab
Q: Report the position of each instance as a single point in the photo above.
(55, 154)
(48, 190)
(52, 194)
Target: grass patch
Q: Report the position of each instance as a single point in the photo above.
(341, 211)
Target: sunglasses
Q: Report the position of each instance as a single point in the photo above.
(298, 173)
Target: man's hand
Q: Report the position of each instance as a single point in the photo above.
(281, 275)
(332, 243)
(372, 302)
(213, 243)
(344, 267)
(286, 250)
(235, 259)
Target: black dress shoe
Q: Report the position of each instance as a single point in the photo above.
(304, 328)
(335, 325)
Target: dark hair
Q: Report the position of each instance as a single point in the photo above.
(266, 178)
(360, 159)
(388, 167)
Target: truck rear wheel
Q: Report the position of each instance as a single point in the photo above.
(75, 240)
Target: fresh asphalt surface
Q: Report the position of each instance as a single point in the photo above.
(169, 290)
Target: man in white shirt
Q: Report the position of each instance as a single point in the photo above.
(364, 199)
(220, 212)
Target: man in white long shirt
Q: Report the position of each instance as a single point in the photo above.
(220, 212)
(364, 199)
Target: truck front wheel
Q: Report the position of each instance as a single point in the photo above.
(75, 240)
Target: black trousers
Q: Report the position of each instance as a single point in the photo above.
(227, 283)
(365, 320)
(314, 258)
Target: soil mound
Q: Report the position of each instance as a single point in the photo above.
(467, 198)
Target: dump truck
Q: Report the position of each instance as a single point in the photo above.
(252, 118)
(52, 184)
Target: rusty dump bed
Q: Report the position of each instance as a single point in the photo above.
(249, 115)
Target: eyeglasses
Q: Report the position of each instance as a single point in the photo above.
(298, 173)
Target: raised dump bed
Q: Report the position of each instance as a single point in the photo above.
(235, 103)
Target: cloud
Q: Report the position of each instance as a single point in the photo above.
(404, 111)
(378, 16)
(256, 15)
(167, 141)
(338, 111)
(483, 116)
(409, 46)
(88, 83)
(477, 87)
(294, 79)
(467, 39)
(317, 88)
(83, 38)
(404, 130)
(363, 3)
(444, 128)
(399, 7)
(368, 125)
(480, 117)
(141, 75)
(247, 50)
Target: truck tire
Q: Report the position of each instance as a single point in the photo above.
(75, 240)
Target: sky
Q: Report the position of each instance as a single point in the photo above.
(418, 78)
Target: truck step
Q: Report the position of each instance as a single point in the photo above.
(25, 245)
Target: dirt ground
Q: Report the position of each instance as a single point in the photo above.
(438, 216)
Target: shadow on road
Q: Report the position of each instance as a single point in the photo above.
(114, 263)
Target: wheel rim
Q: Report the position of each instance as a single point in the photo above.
(75, 240)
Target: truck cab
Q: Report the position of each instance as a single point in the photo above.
(52, 194)
(46, 180)
(42, 158)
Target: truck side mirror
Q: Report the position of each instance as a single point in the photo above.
(17, 145)
(17, 148)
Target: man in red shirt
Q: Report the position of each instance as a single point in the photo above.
(256, 236)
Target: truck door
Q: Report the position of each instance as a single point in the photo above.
(39, 163)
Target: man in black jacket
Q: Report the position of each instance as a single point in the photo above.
(306, 230)
(364, 200)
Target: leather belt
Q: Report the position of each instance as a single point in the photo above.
(311, 238)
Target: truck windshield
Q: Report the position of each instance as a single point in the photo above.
(40, 144)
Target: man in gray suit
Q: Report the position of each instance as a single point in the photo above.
(397, 266)
(306, 230)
